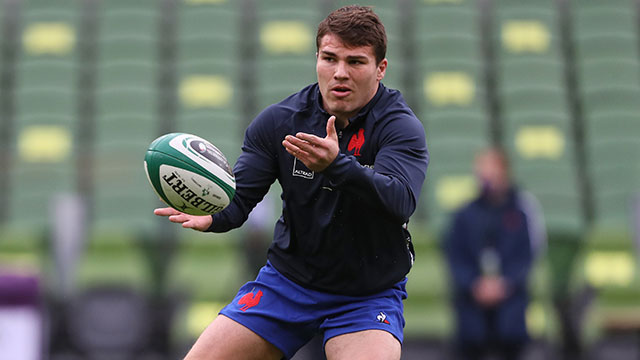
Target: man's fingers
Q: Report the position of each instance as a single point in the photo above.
(331, 128)
(168, 211)
(180, 218)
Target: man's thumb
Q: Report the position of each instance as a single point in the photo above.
(331, 127)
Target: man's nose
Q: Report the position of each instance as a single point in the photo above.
(341, 71)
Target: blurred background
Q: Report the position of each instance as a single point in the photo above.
(88, 272)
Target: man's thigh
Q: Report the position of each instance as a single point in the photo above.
(367, 344)
(226, 339)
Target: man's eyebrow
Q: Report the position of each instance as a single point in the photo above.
(349, 57)
(329, 53)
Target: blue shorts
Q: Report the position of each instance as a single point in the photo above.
(288, 315)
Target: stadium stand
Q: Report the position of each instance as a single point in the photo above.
(45, 118)
(535, 113)
(608, 81)
(285, 43)
(208, 48)
(452, 84)
(125, 111)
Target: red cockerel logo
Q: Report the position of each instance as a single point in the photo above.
(250, 300)
(356, 142)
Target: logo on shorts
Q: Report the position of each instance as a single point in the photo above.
(382, 318)
(250, 300)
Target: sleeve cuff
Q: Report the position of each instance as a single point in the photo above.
(337, 172)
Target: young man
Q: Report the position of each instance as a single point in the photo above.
(351, 158)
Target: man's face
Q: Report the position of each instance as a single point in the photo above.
(348, 77)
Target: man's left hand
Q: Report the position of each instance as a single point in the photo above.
(315, 152)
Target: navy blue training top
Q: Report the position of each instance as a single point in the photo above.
(342, 230)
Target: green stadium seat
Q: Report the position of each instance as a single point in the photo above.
(522, 71)
(461, 124)
(612, 125)
(283, 77)
(126, 100)
(446, 17)
(447, 31)
(137, 18)
(452, 85)
(614, 188)
(598, 17)
(45, 100)
(118, 74)
(606, 46)
(128, 30)
(609, 72)
(524, 99)
(208, 31)
(34, 73)
(127, 48)
(608, 99)
(449, 46)
(614, 150)
(526, 29)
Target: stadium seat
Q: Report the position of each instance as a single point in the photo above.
(611, 99)
(598, 17)
(524, 99)
(609, 72)
(536, 72)
(453, 85)
(614, 189)
(126, 73)
(462, 124)
(606, 46)
(526, 29)
(447, 31)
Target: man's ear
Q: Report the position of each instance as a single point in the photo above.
(382, 69)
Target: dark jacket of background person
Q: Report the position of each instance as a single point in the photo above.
(505, 227)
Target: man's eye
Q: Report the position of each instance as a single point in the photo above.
(329, 59)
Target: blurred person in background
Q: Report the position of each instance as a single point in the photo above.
(351, 157)
(490, 247)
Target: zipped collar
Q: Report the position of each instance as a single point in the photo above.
(317, 99)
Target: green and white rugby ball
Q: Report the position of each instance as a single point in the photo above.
(189, 174)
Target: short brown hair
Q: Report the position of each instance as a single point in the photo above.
(355, 26)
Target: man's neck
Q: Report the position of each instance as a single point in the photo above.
(341, 122)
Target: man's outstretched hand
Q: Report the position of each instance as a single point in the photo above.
(315, 152)
(195, 222)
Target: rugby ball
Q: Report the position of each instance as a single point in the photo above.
(189, 174)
